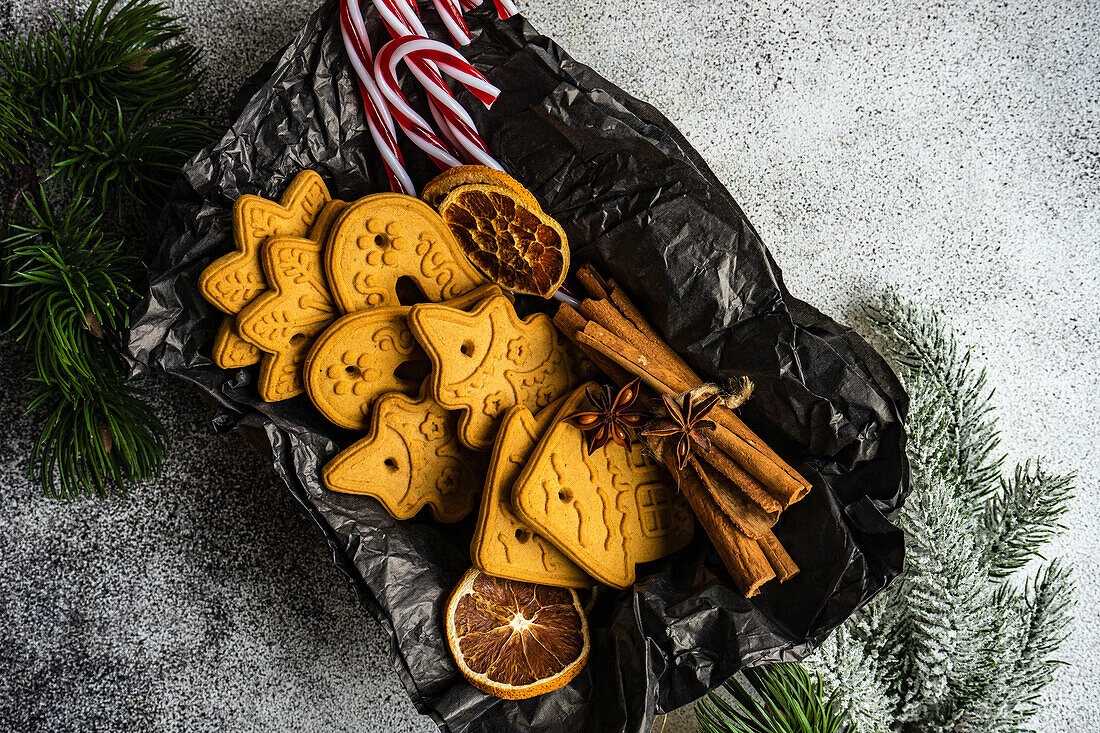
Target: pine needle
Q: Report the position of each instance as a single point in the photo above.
(778, 698)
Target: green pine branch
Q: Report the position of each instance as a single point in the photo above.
(777, 698)
(129, 162)
(93, 130)
(13, 130)
(127, 55)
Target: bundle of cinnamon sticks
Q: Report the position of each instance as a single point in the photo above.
(740, 486)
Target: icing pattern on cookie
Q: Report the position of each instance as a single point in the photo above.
(357, 359)
(488, 360)
(411, 459)
(231, 282)
(384, 237)
(607, 511)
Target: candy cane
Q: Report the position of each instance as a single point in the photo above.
(451, 15)
(379, 121)
(401, 19)
(505, 8)
(460, 124)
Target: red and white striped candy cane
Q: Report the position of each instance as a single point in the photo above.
(451, 15)
(505, 8)
(460, 124)
(401, 19)
(379, 121)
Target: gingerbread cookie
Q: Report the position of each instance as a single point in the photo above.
(284, 319)
(489, 359)
(231, 282)
(385, 237)
(607, 511)
(503, 544)
(357, 359)
(230, 350)
(363, 355)
(467, 175)
(411, 459)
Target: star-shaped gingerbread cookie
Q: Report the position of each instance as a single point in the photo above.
(283, 320)
(232, 281)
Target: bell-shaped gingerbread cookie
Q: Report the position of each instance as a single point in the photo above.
(411, 459)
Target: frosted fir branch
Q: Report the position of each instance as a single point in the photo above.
(854, 679)
(1047, 604)
(945, 597)
(928, 353)
(1023, 517)
(1021, 664)
(954, 645)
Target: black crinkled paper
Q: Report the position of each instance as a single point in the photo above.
(636, 199)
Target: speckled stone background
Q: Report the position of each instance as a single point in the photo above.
(951, 150)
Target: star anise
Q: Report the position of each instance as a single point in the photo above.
(686, 423)
(611, 419)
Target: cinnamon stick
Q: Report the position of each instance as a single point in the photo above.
(747, 516)
(731, 435)
(781, 562)
(603, 288)
(742, 557)
(735, 438)
(743, 480)
(629, 357)
(570, 322)
(593, 281)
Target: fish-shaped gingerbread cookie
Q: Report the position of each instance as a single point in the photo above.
(488, 360)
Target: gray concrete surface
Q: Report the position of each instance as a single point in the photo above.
(948, 149)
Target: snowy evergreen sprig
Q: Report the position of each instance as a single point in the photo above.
(964, 641)
(955, 644)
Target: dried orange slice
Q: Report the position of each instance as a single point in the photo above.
(466, 175)
(516, 640)
(522, 249)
